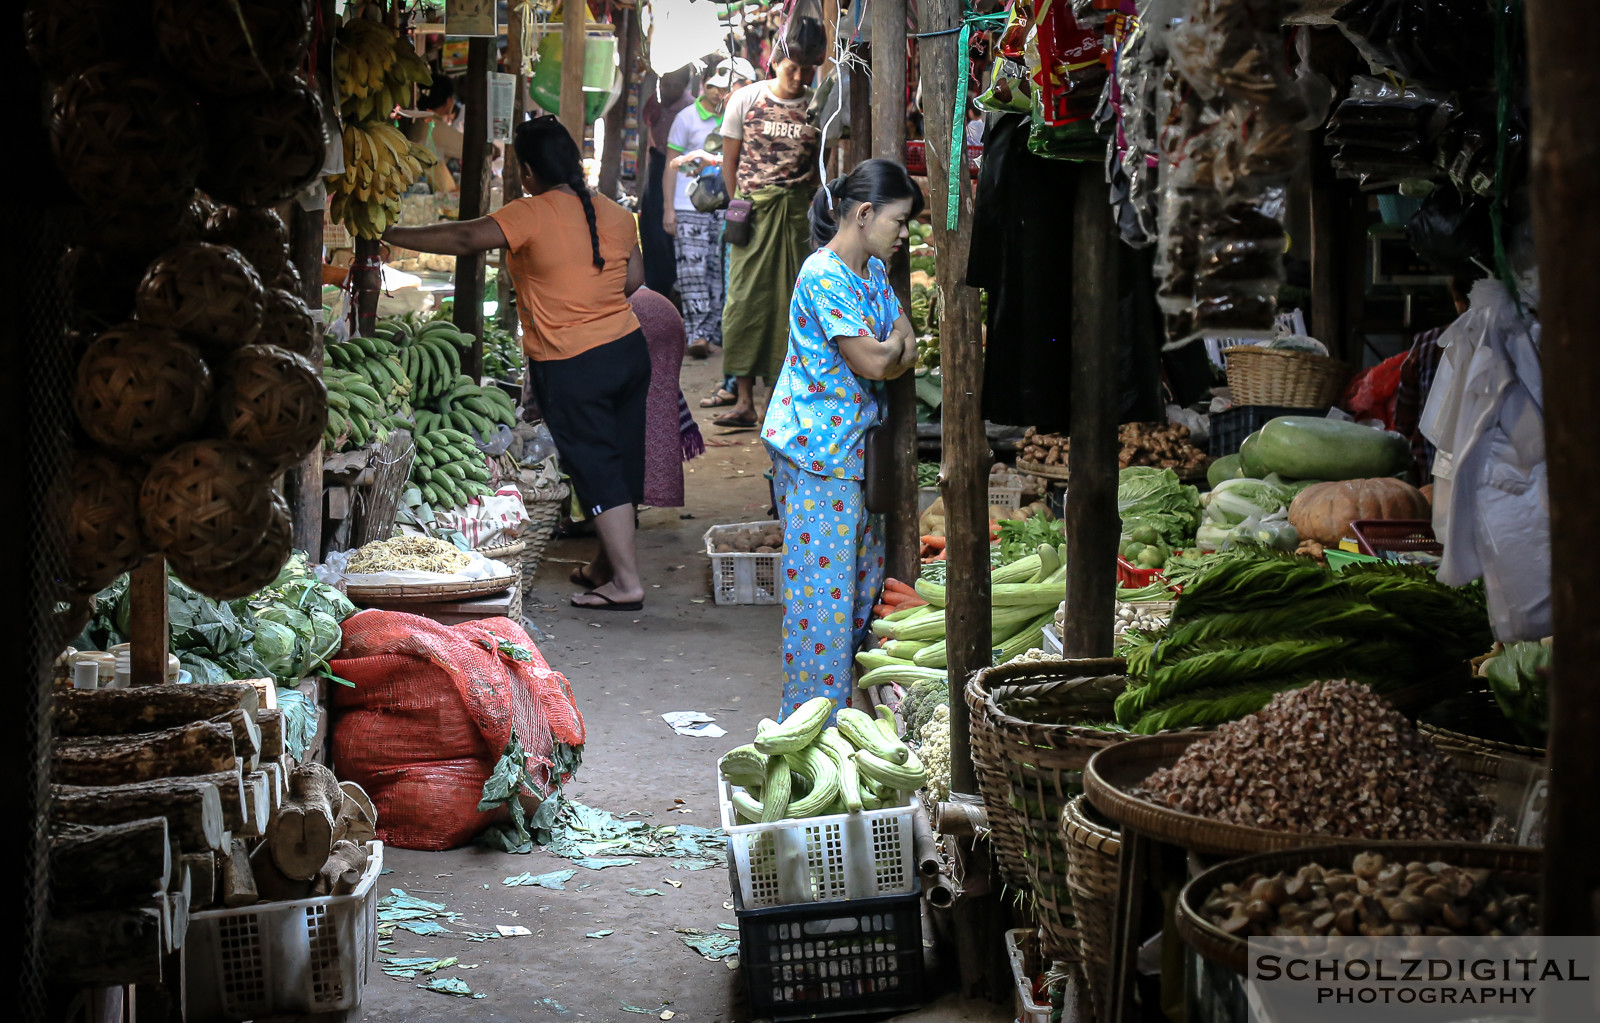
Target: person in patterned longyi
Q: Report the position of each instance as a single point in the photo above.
(847, 333)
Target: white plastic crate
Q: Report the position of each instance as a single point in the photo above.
(1052, 640)
(1005, 491)
(743, 578)
(285, 958)
(1022, 948)
(820, 859)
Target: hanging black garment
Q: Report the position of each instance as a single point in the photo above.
(1022, 256)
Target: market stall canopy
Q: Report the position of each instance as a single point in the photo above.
(683, 33)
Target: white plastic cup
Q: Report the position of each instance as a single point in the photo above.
(85, 675)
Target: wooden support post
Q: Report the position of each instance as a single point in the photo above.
(965, 472)
(468, 308)
(861, 108)
(1328, 205)
(574, 42)
(1566, 219)
(888, 141)
(367, 274)
(617, 116)
(305, 479)
(1091, 512)
(147, 626)
(511, 169)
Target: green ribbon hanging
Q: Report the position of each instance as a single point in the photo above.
(958, 120)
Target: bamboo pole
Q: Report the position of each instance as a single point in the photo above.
(468, 305)
(617, 116)
(574, 41)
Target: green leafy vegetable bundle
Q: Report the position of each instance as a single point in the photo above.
(1156, 498)
(1251, 624)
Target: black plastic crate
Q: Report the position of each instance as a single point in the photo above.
(1231, 426)
(829, 959)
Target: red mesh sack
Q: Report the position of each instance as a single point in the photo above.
(1371, 393)
(429, 699)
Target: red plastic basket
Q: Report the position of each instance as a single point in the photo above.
(1132, 577)
(917, 158)
(1380, 536)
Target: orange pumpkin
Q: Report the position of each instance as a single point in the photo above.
(1324, 511)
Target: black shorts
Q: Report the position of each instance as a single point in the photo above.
(594, 405)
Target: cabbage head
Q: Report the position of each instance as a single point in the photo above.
(275, 646)
(1234, 501)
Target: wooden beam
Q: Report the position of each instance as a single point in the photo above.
(1563, 74)
(1091, 513)
(574, 43)
(511, 170)
(468, 302)
(965, 473)
(305, 479)
(616, 118)
(886, 136)
(147, 626)
(861, 108)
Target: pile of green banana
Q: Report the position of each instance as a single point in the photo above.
(430, 354)
(367, 393)
(449, 470)
(469, 408)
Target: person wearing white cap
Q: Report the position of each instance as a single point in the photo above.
(698, 234)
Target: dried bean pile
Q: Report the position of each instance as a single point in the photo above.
(1328, 759)
(1376, 898)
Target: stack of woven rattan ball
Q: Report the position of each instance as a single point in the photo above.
(193, 389)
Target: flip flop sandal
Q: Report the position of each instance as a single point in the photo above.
(580, 577)
(699, 350)
(730, 423)
(609, 605)
(722, 399)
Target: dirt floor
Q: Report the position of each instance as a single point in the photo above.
(683, 652)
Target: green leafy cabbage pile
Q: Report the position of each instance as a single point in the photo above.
(1156, 498)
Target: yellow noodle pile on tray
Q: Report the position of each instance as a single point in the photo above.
(408, 553)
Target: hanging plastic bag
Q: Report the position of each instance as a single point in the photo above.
(1070, 77)
(1371, 393)
(804, 38)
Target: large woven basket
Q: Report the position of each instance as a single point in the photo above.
(273, 404)
(287, 322)
(508, 552)
(204, 290)
(265, 149)
(141, 389)
(104, 522)
(206, 504)
(1093, 847)
(1038, 712)
(124, 135)
(1279, 376)
(255, 570)
(233, 48)
(260, 235)
(545, 506)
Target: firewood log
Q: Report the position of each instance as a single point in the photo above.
(192, 808)
(237, 877)
(271, 725)
(101, 868)
(246, 737)
(176, 923)
(230, 786)
(105, 948)
(199, 747)
(202, 868)
(84, 712)
(342, 873)
(357, 820)
(301, 835)
(271, 883)
(257, 805)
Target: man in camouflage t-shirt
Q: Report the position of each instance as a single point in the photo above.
(769, 154)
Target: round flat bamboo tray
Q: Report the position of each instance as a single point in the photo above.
(428, 593)
(1520, 862)
(510, 553)
(1049, 472)
(1116, 771)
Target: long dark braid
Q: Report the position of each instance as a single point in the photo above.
(582, 189)
(548, 151)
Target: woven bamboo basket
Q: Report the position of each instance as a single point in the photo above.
(141, 389)
(65, 38)
(205, 503)
(1039, 733)
(260, 235)
(234, 48)
(545, 506)
(104, 522)
(1472, 722)
(287, 322)
(255, 570)
(427, 593)
(1277, 376)
(141, 233)
(1519, 865)
(1005, 827)
(273, 404)
(1093, 847)
(510, 554)
(289, 280)
(123, 135)
(206, 291)
(1456, 742)
(265, 149)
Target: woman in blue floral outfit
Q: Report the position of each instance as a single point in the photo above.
(847, 334)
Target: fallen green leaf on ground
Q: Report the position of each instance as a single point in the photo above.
(602, 862)
(645, 892)
(709, 944)
(727, 927)
(598, 934)
(556, 879)
(408, 967)
(450, 986)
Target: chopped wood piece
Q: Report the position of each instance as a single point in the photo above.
(237, 876)
(230, 786)
(105, 948)
(202, 868)
(342, 873)
(357, 820)
(191, 806)
(257, 805)
(271, 725)
(176, 930)
(276, 789)
(199, 747)
(100, 868)
(301, 835)
(246, 737)
(84, 712)
(271, 882)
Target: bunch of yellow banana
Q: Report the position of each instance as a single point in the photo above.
(375, 68)
(380, 164)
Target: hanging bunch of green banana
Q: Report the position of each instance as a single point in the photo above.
(378, 362)
(357, 413)
(430, 355)
(470, 408)
(449, 470)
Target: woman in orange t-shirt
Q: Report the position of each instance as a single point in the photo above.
(574, 261)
